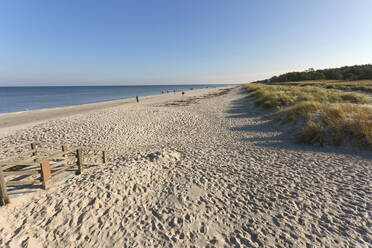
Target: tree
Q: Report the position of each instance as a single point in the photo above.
(355, 72)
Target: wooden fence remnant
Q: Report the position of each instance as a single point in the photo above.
(4, 199)
(103, 157)
(22, 168)
(64, 148)
(34, 151)
(79, 157)
(45, 174)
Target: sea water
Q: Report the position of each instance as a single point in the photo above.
(15, 99)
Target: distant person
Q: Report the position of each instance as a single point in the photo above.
(162, 91)
(137, 98)
(183, 93)
(174, 91)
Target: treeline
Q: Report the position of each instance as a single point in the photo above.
(356, 72)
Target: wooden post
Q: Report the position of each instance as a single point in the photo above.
(4, 199)
(103, 157)
(79, 157)
(45, 174)
(34, 149)
(63, 150)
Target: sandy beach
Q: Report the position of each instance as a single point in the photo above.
(203, 169)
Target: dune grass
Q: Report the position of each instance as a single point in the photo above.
(364, 86)
(322, 115)
(278, 96)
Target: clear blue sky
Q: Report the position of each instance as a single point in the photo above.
(174, 41)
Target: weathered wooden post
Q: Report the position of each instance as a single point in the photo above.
(79, 157)
(63, 150)
(45, 174)
(103, 157)
(34, 149)
(4, 199)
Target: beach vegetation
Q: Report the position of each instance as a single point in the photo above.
(364, 86)
(350, 73)
(321, 115)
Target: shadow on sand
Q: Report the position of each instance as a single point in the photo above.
(280, 136)
(19, 190)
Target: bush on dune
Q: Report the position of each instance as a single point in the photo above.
(336, 124)
(328, 116)
(301, 109)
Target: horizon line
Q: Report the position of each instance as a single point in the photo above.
(99, 85)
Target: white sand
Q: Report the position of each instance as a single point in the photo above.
(214, 172)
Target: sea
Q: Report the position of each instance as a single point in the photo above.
(17, 99)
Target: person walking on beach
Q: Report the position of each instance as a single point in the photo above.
(137, 99)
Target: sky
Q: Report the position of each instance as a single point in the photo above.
(71, 42)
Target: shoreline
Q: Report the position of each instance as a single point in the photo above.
(142, 93)
(10, 122)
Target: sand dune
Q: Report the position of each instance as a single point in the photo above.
(207, 171)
